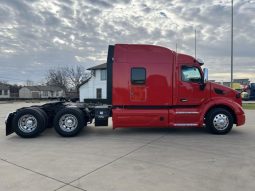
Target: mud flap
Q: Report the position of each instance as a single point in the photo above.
(8, 123)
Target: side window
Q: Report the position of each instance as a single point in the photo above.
(138, 75)
(93, 73)
(103, 75)
(191, 74)
(45, 93)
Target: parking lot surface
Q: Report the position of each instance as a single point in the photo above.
(100, 158)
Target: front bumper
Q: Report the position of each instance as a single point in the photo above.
(240, 119)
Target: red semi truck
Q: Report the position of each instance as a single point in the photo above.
(147, 86)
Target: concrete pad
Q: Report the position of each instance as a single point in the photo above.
(129, 159)
(131, 175)
(13, 178)
(228, 171)
(63, 158)
(69, 158)
(128, 174)
(69, 188)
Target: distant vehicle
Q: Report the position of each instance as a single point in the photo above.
(245, 96)
(147, 86)
(249, 92)
(252, 91)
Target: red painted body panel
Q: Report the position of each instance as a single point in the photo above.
(240, 119)
(158, 62)
(140, 117)
(159, 102)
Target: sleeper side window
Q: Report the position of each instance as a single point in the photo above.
(138, 76)
(191, 74)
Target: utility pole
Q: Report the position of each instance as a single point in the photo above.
(195, 43)
(232, 39)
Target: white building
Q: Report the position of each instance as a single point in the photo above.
(41, 92)
(4, 90)
(95, 87)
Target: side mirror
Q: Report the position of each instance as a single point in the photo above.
(205, 70)
(205, 80)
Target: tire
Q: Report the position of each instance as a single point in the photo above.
(219, 121)
(28, 123)
(45, 116)
(72, 127)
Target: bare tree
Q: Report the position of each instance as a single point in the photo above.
(67, 77)
(57, 77)
(76, 76)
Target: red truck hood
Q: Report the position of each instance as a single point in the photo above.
(224, 91)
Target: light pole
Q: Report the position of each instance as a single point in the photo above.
(195, 43)
(232, 39)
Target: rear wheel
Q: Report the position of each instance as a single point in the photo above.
(219, 121)
(69, 121)
(28, 123)
(45, 116)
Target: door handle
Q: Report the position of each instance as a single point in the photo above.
(183, 100)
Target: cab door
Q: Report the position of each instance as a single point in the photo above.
(189, 86)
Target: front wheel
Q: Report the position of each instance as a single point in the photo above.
(69, 121)
(219, 121)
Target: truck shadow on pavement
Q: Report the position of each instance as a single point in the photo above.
(104, 132)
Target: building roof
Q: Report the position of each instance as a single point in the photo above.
(50, 88)
(242, 81)
(4, 86)
(43, 88)
(98, 67)
(32, 88)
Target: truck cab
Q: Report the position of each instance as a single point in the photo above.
(153, 86)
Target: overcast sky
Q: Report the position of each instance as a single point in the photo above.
(36, 35)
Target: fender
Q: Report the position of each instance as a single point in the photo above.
(220, 101)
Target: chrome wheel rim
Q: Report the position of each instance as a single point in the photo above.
(27, 123)
(221, 122)
(68, 122)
